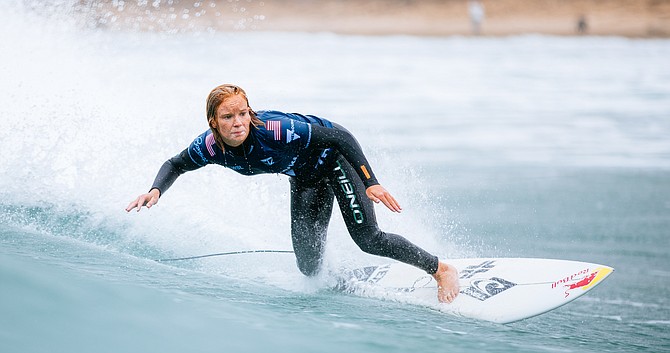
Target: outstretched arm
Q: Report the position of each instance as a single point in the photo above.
(342, 140)
(169, 172)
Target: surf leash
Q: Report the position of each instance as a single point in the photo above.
(225, 254)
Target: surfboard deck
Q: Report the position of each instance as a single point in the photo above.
(501, 290)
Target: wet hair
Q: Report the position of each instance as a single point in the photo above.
(217, 96)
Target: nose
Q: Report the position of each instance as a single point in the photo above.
(237, 120)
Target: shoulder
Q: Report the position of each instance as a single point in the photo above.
(274, 115)
(203, 149)
(277, 121)
(267, 115)
(283, 128)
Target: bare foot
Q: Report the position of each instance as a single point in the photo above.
(447, 282)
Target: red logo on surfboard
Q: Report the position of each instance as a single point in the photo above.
(583, 279)
(584, 282)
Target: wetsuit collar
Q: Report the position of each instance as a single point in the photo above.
(243, 149)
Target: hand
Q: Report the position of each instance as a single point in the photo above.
(149, 199)
(377, 193)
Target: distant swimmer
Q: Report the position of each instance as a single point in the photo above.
(324, 162)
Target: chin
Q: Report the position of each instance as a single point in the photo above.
(236, 142)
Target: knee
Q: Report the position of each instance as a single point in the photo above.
(309, 267)
(371, 240)
(308, 253)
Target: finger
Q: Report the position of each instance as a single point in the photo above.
(394, 203)
(152, 202)
(387, 204)
(390, 203)
(131, 206)
(141, 201)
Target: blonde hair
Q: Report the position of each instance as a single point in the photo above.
(217, 96)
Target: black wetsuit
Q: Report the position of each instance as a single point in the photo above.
(325, 162)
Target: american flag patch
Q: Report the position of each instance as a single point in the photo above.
(209, 142)
(274, 125)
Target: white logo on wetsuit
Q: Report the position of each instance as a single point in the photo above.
(290, 134)
(268, 161)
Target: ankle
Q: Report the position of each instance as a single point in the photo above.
(441, 268)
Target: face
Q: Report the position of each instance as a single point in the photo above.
(233, 120)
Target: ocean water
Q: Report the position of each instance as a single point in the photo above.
(527, 146)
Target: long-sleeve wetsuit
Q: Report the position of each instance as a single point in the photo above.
(324, 162)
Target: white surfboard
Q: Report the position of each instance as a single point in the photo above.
(501, 290)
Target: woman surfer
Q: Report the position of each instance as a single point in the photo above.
(324, 162)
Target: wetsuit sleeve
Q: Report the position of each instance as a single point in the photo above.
(345, 143)
(172, 169)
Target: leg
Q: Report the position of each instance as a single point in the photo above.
(359, 216)
(311, 208)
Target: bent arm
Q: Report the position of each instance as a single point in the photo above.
(343, 141)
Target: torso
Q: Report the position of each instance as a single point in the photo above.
(281, 145)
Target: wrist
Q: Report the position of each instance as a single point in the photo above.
(370, 182)
(155, 192)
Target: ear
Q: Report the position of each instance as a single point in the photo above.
(212, 124)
